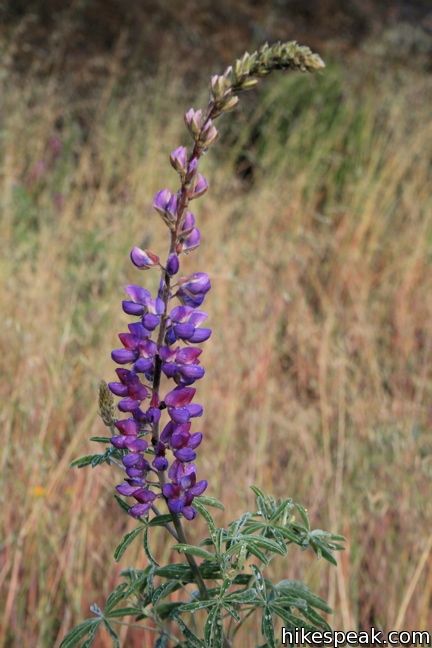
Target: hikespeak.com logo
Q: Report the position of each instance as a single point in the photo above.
(372, 637)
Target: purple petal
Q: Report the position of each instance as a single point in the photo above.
(123, 356)
(179, 438)
(142, 365)
(144, 495)
(150, 321)
(185, 454)
(170, 490)
(126, 489)
(195, 440)
(119, 441)
(118, 389)
(176, 504)
(131, 459)
(161, 200)
(201, 187)
(194, 409)
(184, 331)
(135, 445)
(128, 405)
(131, 308)
(192, 241)
(198, 317)
(138, 294)
(160, 463)
(138, 510)
(194, 372)
(200, 335)
(189, 221)
(179, 415)
(199, 488)
(179, 158)
(189, 512)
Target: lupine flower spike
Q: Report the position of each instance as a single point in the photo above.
(161, 339)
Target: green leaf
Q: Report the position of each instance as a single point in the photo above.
(232, 611)
(100, 439)
(194, 551)
(242, 597)
(79, 632)
(112, 633)
(146, 546)
(213, 632)
(119, 594)
(209, 501)
(260, 582)
(168, 609)
(124, 611)
(304, 516)
(207, 516)
(126, 541)
(265, 543)
(177, 571)
(192, 640)
(194, 606)
(163, 590)
(267, 627)
(87, 460)
(122, 503)
(160, 520)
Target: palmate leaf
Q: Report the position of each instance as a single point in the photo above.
(84, 629)
(160, 520)
(199, 505)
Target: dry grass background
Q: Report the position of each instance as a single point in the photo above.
(319, 377)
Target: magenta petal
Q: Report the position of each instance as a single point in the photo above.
(127, 426)
(180, 396)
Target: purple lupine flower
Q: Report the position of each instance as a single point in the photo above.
(160, 344)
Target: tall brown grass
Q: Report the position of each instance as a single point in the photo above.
(319, 373)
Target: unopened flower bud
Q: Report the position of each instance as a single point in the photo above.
(200, 187)
(143, 259)
(173, 264)
(193, 120)
(178, 159)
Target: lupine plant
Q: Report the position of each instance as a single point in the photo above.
(219, 582)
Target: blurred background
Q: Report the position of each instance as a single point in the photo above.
(317, 233)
